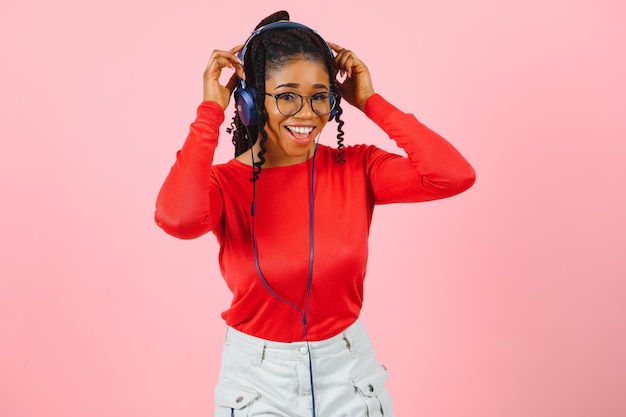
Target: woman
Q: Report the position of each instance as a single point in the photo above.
(292, 218)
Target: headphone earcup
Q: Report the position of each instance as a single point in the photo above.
(244, 102)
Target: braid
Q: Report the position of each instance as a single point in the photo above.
(238, 131)
(258, 64)
(340, 123)
(272, 50)
(276, 17)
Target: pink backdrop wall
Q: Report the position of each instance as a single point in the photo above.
(507, 300)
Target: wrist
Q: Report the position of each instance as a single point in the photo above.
(363, 102)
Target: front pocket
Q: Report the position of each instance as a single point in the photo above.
(238, 359)
(371, 387)
(230, 397)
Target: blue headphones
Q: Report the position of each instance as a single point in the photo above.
(244, 96)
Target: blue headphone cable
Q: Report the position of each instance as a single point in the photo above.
(311, 254)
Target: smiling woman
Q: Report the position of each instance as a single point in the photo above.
(292, 125)
(295, 264)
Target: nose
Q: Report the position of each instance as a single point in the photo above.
(306, 112)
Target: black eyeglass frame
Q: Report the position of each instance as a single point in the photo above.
(310, 99)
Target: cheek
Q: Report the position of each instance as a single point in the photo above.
(272, 114)
(273, 120)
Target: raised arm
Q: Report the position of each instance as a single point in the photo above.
(189, 203)
(434, 168)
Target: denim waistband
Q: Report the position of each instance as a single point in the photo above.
(352, 337)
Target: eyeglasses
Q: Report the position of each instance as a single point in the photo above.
(289, 104)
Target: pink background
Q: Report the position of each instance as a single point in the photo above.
(508, 300)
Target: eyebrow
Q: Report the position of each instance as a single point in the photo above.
(296, 85)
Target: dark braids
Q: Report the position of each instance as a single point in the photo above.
(258, 57)
(278, 16)
(269, 51)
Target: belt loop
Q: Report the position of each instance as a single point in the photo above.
(348, 343)
(262, 353)
(349, 340)
(354, 337)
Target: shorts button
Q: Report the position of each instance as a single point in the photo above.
(239, 399)
(303, 350)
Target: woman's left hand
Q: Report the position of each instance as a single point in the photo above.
(357, 86)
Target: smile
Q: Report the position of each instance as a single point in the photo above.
(302, 130)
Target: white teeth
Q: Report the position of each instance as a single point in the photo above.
(296, 129)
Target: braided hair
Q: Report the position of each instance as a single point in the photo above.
(269, 51)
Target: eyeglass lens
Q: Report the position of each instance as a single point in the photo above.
(291, 103)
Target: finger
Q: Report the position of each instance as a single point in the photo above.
(342, 55)
(230, 60)
(232, 83)
(350, 62)
(334, 46)
(343, 62)
(236, 48)
(339, 57)
(234, 52)
(217, 64)
(237, 63)
(223, 56)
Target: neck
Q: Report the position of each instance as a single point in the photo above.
(274, 157)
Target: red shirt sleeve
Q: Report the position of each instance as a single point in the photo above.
(189, 203)
(434, 168)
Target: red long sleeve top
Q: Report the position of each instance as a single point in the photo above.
(199, 196)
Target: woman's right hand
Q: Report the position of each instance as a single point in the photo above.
(213, 90)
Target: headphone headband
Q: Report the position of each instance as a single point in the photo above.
(281, 24)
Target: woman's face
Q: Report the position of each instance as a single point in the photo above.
(291, 139)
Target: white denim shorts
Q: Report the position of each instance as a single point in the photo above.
(265, 378)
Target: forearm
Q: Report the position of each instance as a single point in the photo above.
(439, 167)
(188, 204)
